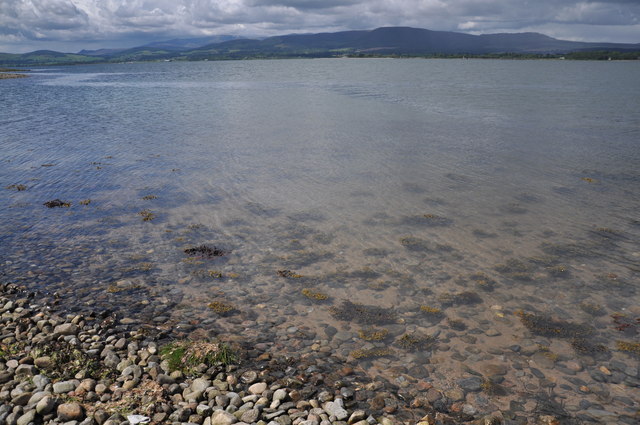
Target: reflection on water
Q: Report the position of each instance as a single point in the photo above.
(425, 220)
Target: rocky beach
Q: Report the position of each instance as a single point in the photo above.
(64, 368)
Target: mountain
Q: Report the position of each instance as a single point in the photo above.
(381, 41)
(399, 41)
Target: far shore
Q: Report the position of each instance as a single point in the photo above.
(7, 73)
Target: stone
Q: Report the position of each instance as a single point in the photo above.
(37, 396)
(66, 329)
(26, 370)
(43, 362)
(357, 416)
(455, 394)
(200, 384)
(433, 395)
(280, 395)
(46, 405)
(250, 416)
(63, 387)
(258, 388)
(336, 408)
(26, 418)
(495, 369)
(472, 384)
(220, 417)
(70, 412)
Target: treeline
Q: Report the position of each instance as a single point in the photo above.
(584, 55)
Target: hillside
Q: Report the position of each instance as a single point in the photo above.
(403, 41)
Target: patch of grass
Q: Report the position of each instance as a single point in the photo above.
(67, 361)
(186, 356)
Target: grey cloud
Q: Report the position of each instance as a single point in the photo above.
(23, 22)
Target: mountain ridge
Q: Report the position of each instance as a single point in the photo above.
(402, 41)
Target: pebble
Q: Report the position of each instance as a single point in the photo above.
(258, 388)
(473, 383)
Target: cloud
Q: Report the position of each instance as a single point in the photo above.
(26, 23)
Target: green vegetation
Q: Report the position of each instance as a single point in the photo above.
(187, 356)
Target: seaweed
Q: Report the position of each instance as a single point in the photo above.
(373, 334)
(415, 244)
(585, 346)
(593, 309)
(57, 203)
(147, 215)
(289, 274)
(222, 308)
(85, 202)
(483, 281)
(430, 220)
(314, 295)
(149, 197)
(413, 342)
(17, 187)
(513, 265)
(631, 348)
(492, 388)
(460, 298)
(558, 271)
(546, 326)
(365, 314)
(371, 353)
(457, 325)
(204, 251)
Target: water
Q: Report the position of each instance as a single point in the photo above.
(398, 184)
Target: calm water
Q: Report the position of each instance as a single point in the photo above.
(503, 193)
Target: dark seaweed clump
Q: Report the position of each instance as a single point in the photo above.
(365, 314)
(57, 203)
(546, 326)
(205, 251)
(587, 347)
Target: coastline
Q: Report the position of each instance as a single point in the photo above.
(58, 366)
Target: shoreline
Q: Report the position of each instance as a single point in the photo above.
(98, 370)
(8, 76)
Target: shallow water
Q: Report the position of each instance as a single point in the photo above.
(489, 190)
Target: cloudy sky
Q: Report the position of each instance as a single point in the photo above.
(71, 25)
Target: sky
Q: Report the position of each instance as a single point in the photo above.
(72, 25)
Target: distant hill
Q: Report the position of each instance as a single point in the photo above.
(403, 41)
(400, 41)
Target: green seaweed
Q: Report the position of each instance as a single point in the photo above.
(371, 353)
(373, 334)
(414, 342)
